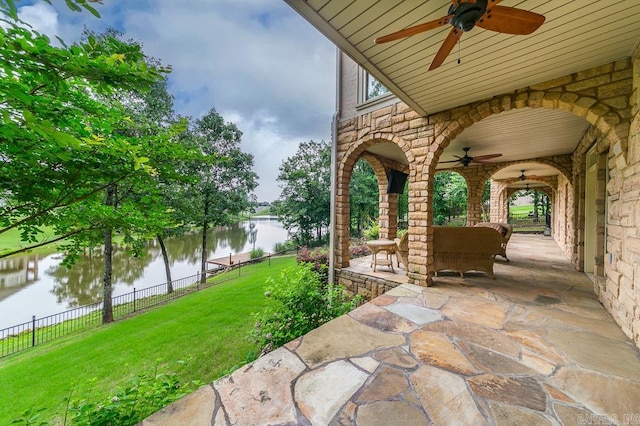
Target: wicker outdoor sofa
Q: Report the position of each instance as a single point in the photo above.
(504, 229)
(463, 249)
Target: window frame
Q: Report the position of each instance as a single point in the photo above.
(363, 89)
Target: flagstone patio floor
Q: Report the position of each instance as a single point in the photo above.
(531, 347)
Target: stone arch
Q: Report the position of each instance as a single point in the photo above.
(357, 149)
(561, 163)
(546, 190)
(605, 118)
(388, 204)
(501, 193)
(610, 122)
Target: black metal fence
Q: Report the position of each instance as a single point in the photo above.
(40, 330)
(527, 222)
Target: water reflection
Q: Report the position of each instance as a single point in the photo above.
(16, 273)
(24, 293)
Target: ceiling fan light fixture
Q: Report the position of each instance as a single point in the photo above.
(467, 14)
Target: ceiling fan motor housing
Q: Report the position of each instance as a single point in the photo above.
(467, 14)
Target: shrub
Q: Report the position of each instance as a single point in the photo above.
(256, 253)
(318, 257)
(302, 303)
(373, 231)
(359, 250)
(288, 245)
(144, 395)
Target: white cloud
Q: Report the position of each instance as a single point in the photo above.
(42, 17)
(257, 62)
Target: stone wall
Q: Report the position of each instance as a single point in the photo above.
(562, 228)
(363, 285)
(621, 294)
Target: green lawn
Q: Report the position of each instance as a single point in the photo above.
(520, 209)
(10, 240)
(209, 327)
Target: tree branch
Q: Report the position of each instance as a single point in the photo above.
(44, 243)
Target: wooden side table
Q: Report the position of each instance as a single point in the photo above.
(387, 246)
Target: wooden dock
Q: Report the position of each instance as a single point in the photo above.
(232, 259)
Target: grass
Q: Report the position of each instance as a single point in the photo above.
(263, 211)
(10, 240)
(518, 210)
(209, 327)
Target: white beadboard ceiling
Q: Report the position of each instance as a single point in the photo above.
(576, 35)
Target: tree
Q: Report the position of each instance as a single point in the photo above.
(78, 153)
(57, 139)
(8, 7)
(485, 202)
(224, 182)
(449, 196)
(304, 204)
(364, 195)
(133, 204)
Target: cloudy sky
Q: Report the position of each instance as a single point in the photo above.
(257, 62)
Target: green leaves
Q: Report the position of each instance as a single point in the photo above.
(8, 7)
(304, 204)
(301, 303)
(62, 128)
(449, 196)
(132, 402)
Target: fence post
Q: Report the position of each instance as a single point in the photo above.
(269, 260)
(33, 331)
(134, 299)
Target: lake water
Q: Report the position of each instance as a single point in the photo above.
(38, 285)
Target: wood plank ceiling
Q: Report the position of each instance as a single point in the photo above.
(576, 35)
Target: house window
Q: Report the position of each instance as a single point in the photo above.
(374, 88)
(371, 91)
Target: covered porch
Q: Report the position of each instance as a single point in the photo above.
(556, 109)
(533, 346)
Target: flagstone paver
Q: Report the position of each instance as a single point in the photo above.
(416, 314)
(321, 385)
(446, 397)
(251, 397)
(436, 349)
(532, 347)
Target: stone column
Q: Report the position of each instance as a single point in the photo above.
(342, 222)
(498, 202)
(392, 228)
(474, 207)
(386, 218)
(420, 229)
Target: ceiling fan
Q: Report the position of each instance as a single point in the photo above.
(464, 15)
(523, 177)
(466, 160)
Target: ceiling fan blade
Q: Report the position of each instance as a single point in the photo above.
(483, 158)
(414, 30)
(510, 20)
(450, 161)
(445, 49)
(492, 3)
